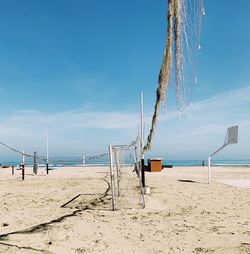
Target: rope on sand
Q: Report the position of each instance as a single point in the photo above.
(44, 226)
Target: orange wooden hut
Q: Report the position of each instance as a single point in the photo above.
(155, 165)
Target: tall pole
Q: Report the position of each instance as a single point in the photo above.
(209, 162)
(47, 147)
(47, 153)
(35, 163)
(117, 172)
(142, 143)
(23, 158)
(112, 177)
(23, 165)
(142, 129)
(209, 170)
(83, 160)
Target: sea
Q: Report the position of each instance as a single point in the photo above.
(105, 162)
(187, 163)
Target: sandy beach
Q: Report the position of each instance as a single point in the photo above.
(183, 214)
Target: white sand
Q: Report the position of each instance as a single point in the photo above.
(236, 183)
(183, 213)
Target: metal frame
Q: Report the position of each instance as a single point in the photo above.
(112, 178)
(228, 141)
(115, 181)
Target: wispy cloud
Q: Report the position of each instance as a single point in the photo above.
(199, 130)
(70, 131)
(74, 120)
(202, 127)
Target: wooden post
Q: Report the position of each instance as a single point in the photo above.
(13, 170)
(47, 168)
(143, 173)
(22, 166)
(35, 163)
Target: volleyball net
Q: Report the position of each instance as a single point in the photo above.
(125, 174)
(85, 160)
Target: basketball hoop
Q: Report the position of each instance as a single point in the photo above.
(231, 138)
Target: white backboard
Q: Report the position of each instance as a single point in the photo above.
(232, 135)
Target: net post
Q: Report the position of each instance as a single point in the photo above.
(35, 163)
(22, 165)
(12, 170)
(139, 177)
(23, 157)
(112, 177)
(209, 170)
(23, 169)
(143, 173)
(47, 153)
(142, 184)
(83, 160)
(117, 172)
(142, 143)
(47, 168)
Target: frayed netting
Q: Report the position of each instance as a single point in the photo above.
(183, 32)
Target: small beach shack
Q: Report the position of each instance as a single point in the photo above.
(155, 165)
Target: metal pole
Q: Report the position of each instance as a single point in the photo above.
(142, 143)
(13, 170)
(83, 161)
(23, 168)
(117, 171)
(22, 165)
(47, 168)
(23, 157)
(143, 173)
(35, 163)
(47, 147)
(47, 153)
(112, 177)
(140, 180)
(209, 170)
(142, 127)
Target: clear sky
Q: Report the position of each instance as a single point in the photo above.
(76, 68)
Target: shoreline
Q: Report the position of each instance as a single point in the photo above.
(41, 166)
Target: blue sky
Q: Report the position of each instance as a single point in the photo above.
(76, 68)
